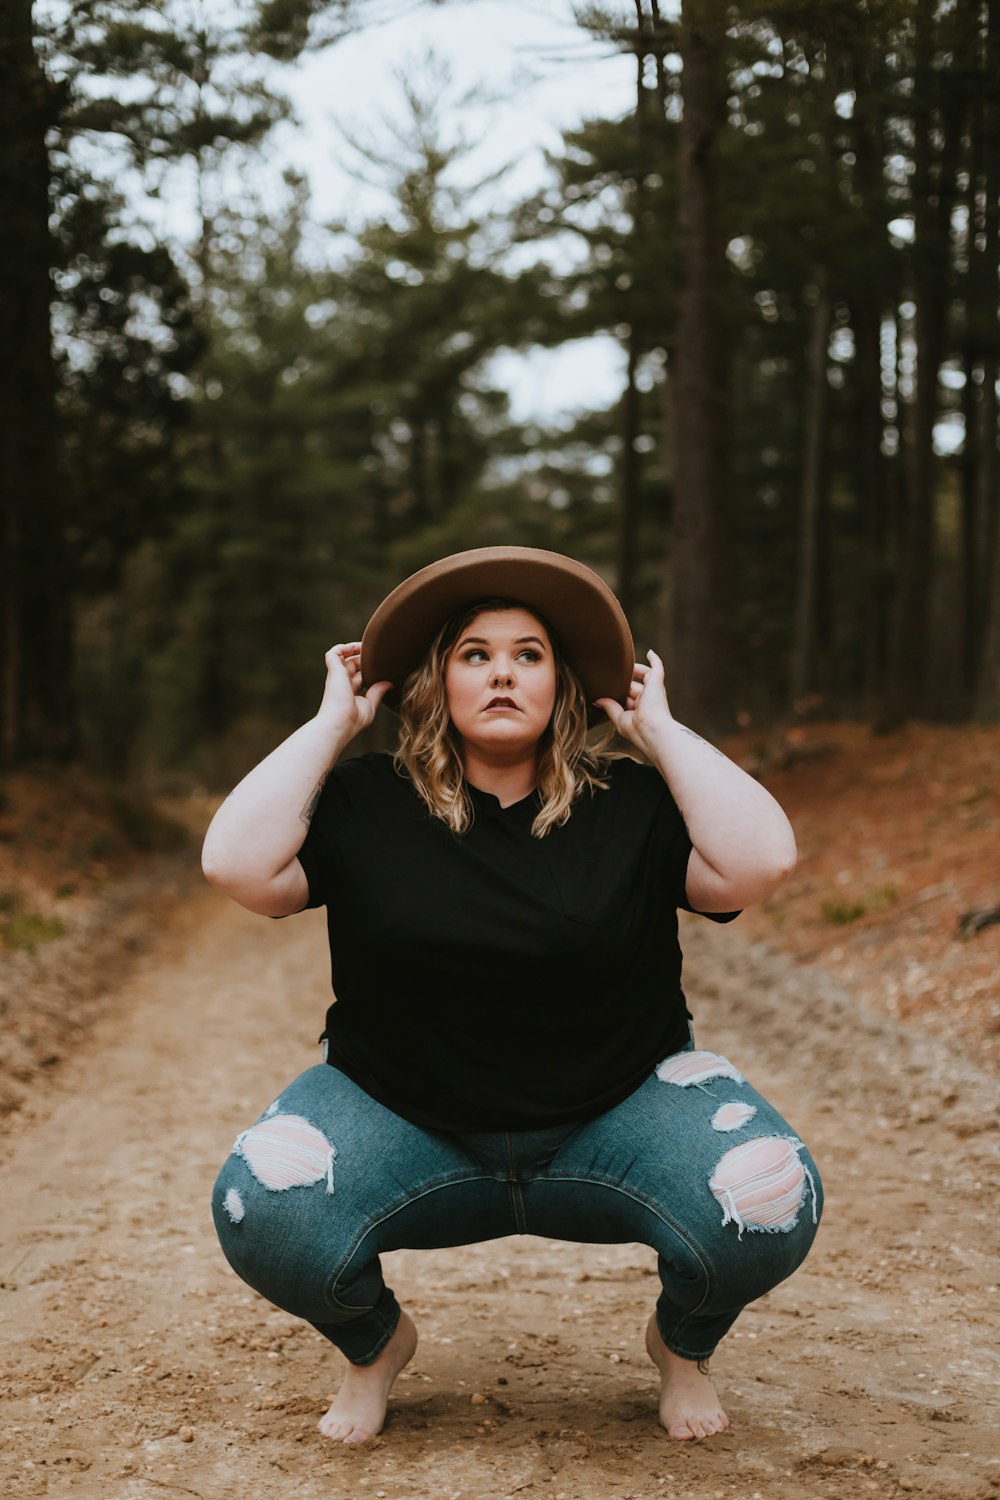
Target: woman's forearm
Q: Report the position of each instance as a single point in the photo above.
(262, 824)
(743, 839)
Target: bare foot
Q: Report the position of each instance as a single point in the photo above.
(689, 1407)
(359, 1410)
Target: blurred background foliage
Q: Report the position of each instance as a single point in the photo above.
(217, 457)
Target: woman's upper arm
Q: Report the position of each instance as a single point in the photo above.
(281, 896)
(704, 888)
(707, 890)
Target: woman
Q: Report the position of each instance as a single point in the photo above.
(510, 1050)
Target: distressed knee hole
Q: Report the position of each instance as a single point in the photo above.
(687, 1068)
(285, 1151)
(233, 1204)
(731, 1116)
(761, 1184)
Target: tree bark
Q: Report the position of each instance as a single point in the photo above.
(36, 715)
(866, 315)
(629, 465)
(979, 469)
(812, 499)
(937, 135)
(911, 627)
(698, 666)
(629, 482)
(987, 704)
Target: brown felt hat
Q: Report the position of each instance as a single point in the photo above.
(578, 605)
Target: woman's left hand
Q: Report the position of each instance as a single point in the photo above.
(742, 843)
(646, 713)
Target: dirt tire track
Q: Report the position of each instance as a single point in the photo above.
(137, 1366)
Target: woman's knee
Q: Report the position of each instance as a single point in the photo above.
(762, 1178)
(763, 1184)
(276, 1228)
(768, 1198)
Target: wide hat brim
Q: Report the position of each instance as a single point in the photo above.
(571, 598)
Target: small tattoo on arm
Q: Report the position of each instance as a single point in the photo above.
(685, 730)
(306, 815)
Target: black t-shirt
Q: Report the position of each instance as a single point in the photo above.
(492, 980)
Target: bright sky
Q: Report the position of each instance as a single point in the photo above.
(532, 72)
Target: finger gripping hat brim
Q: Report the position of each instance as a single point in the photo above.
(571, 598)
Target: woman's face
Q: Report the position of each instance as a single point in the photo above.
(500, 682)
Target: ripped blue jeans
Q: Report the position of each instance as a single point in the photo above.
(694, 1163)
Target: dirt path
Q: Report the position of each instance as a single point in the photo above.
(136, 1366)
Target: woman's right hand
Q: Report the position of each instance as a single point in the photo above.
(343, 698)
(252, 844)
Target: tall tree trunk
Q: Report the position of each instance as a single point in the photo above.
(36, 714)
(872, 495)
(987, 505)
(660, 33)
(911, 626)
(973, 556)
(866, 315)
(629, 476)
(988, 437)
(979, 469)
(811, 504)
(629, 466)
(970, 566)
(699, 678)
(937, 137)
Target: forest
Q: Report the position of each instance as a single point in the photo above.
(218, 451)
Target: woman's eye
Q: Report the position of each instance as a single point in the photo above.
(530, 654)
(475, 655)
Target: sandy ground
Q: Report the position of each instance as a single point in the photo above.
(136, 1366)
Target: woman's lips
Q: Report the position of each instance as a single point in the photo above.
(502, 703)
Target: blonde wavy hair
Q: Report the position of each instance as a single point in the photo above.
(429, 750)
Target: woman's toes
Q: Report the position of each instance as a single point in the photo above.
(341, 1427)
(333, 1427)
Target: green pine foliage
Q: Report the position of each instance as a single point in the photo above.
(260, 424)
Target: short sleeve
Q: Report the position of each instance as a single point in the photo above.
(670, 839)
(674, 848)
(713, 916)
(318, 853)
